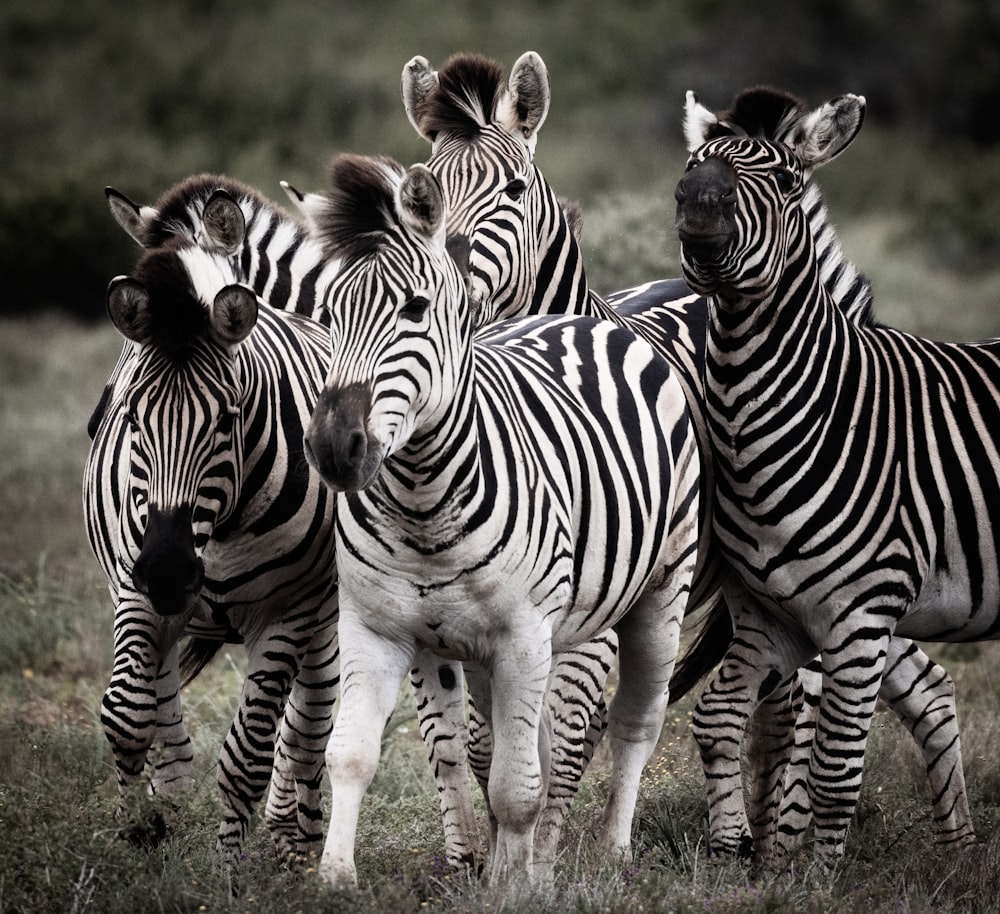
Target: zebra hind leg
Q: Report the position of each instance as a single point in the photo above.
(922, 695)
(440, 697)
(579, 718)
(648, 642)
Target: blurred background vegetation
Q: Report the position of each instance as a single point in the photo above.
(141, 95)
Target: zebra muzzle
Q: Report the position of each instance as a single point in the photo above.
(168, 571)
(706, 206)
(336, 442)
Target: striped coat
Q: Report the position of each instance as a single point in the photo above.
(507, 500)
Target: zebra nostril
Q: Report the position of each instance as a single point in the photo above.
(197, 577)
(357, 448)
(139, 577)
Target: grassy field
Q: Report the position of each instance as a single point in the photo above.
(61, 850)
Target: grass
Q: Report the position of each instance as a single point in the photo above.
(62, 850)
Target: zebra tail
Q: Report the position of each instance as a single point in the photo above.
(704, 653)
(196, 655)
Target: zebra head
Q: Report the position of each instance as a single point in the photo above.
(183, 405)
(739, 201)
(208, 210)
(483, 130)
(398, 313)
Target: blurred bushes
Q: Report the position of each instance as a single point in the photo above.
(55, 253)
(141, 96)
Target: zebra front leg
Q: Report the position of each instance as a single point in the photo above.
(762, 654)
(922, 695)
(514, 693)
(440, 697)
(247, 756)
(174, 762)
(373, 669)
(852, 677)
(131, 703)
(778, 744)
(294, 813)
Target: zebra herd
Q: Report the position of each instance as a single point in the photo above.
(401, 433)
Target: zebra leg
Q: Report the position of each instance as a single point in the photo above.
(579, 717)
(513, 694)
(373, 669)
(761, 655)
(247, 757)
(481, 756)
(294, 813)
(130, 706)
(174, 762)
(648, 641)
(777, 734)
(438, 686)
(922, 695)
(852, 677)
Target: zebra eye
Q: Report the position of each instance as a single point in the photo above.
(516, 188)
(785, 178)
(415, 308)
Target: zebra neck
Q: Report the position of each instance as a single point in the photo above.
(560, 283)
(751, 332)
(430, 478)
(285, 266)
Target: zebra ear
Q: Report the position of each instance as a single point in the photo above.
(128, 308)
(307, 204)
(524, 105)
(827, 131)
(233, 314)
(129, 215)
(698, 122)
(420, 203)
(702, 125)
(224, 222)
(416, 85)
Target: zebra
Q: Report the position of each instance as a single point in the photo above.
(271, 252)
(496, 509)
(276, 256)
(199, 507)
(524, 257)
(844, 531)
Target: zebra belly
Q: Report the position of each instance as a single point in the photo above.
(466, 615)
(947, 609)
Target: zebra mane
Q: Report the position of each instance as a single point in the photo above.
(762, 112)
(358, 211)
(175, 205)
(464, 100)
(176, 316)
